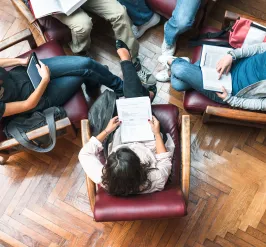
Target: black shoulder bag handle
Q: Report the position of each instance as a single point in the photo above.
(25, 142)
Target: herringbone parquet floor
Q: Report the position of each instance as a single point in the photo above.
(43, 197)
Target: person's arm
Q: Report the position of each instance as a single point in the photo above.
(112, 125)
(248, 51)
(32, 101)
(88, 154)
(224, 65)
(8, 62)
(89, 161)
(243, 103)
(155, 126)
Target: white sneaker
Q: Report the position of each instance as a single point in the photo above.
(163, 76)
(168, 50)
(138, 31)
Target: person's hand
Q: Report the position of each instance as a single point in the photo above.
(155, 125)
(112, 125)
(44, 72)
(224, 65)
(222, 95)
(24, 61)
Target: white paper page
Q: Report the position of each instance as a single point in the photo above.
(212, 83)
(45, 7)
(69, 6)
(209, 59)
(134, 114)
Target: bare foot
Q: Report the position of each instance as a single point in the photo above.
(151, 95)
(124, 55)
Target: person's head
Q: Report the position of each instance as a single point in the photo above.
(124, 174)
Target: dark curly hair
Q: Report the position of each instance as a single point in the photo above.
(124, 174)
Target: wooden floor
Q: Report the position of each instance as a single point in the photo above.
(43, 197)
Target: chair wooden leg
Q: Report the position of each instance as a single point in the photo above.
(3, 158)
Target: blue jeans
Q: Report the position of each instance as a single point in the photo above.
(138, 11)
(182, 19)
(185, 76)
(69, 72)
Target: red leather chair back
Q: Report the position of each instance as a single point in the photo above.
(164, 204)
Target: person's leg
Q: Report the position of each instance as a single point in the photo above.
(91, 71)
(132, 84)
(182, 19)
(61, 89)
(116, 14)
(80, 25)
(138, 11)
(185, 75)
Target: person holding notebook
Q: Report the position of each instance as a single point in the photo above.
(61, 78)
(247, 67)
(132, 168)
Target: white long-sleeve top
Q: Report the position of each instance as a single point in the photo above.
(146, 151)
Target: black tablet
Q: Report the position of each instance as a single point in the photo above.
(33, 71)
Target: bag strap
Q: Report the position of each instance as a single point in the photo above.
(193, 43)
(25, 142)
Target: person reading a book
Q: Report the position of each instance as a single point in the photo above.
(131, 168)
(247, 67)
(61, 77)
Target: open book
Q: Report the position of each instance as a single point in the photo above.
(42, 8)
(134, 114)
(210, 56)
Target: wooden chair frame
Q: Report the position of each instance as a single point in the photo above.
(235, 116)
(185, 161)
(27, 14)
(7, 147)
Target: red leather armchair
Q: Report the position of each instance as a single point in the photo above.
(196, 103)
(172, 201)
(76, 107)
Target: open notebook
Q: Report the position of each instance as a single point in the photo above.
(210, 56)
(42, 8)
(134, 114)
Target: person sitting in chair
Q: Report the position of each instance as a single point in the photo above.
(247, 67)
(62, 77)
(132, 168)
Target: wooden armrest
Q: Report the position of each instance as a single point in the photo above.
(185, 152)
(85, 136)
(15, 39)
(24, 10)
(231, 17)
(247, 116)
(60, 124)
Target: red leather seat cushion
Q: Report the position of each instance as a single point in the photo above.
(55, 30)
(195, 102)
(164, 204)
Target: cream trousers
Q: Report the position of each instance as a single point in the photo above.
(80, 24)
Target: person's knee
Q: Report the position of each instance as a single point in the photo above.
(120, 14)
(178, 68)
(82, 26)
